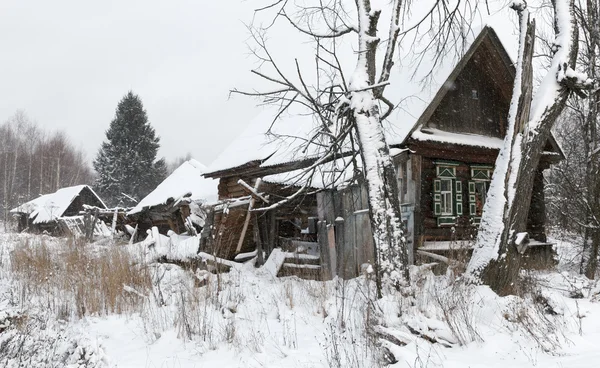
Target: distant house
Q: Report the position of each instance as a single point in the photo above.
(174, 204)
(444, 142)
(44, 213)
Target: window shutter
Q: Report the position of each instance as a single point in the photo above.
(458, 201)
(437, 200)
(472, 201)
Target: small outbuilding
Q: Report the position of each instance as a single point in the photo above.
(45, 212)
(176, 203)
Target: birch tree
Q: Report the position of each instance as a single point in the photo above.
(351, 106)
(496, 260)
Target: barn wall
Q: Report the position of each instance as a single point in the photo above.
(290, 218)
(86, 196)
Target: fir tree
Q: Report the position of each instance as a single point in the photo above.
(126, 162)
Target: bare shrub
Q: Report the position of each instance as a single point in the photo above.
(455, 302)
(533, 313)
(79, 279)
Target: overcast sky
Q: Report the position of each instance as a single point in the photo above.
(67, 63)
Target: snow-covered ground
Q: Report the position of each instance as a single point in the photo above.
(248, 318)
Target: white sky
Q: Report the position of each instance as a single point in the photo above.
(67, 63)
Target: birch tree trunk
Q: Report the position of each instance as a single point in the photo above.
(496, 260)
(379, 172)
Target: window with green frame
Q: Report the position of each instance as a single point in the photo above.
(447, 194)
(479, 185)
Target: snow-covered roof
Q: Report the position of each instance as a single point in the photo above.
(269, 142)
(186, 181)
(334, 173)
(406, 85)
(463, 139)
(49, 207)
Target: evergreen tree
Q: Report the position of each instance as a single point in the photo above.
(126, 162)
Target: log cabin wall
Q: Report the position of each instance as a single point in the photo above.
(427, 226)
(290, 219)
(230, 188)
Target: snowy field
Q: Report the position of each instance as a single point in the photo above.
(100, 305)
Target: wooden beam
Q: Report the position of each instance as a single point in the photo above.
(257, 239)
(252, 191)
(247, 221)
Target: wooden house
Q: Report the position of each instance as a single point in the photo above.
(45, 212)
(444, 143)
(445, 169)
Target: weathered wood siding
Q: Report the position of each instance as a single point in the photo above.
(356, 248)
(478, 101)
(85, 197)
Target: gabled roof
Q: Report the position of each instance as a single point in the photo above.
(422, 132)
(487, 33)
(185, 182)
(49, 207)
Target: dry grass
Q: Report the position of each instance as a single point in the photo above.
(77, 279)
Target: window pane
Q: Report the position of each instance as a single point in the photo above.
(480, 195)
(446, 196)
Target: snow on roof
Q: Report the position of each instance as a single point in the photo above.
(186, 179)
(465, 139)
(334, 173)
(406, 85)
(282, 144)
(49, 207)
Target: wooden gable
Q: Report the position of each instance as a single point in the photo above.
(478, 99)
(473, 101)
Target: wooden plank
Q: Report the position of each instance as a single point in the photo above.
(325, 206)
(323, 239)
(258, 241)
(247, 221)
(332, 251)
(341, 247)
(350, 247)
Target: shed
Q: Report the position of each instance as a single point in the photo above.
(44, 212)
(176, 203)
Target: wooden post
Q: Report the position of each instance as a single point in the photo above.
(90, 234)
(332, 251)
(114, 223)
(258, 242)
(248, 215)
(272, 230)
(133, 235)
(340, 247)
(323, 239)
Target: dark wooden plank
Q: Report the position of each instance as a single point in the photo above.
(323, 239)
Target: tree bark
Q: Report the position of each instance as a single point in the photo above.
(496, 260)
(591, 241)
(378, 169)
